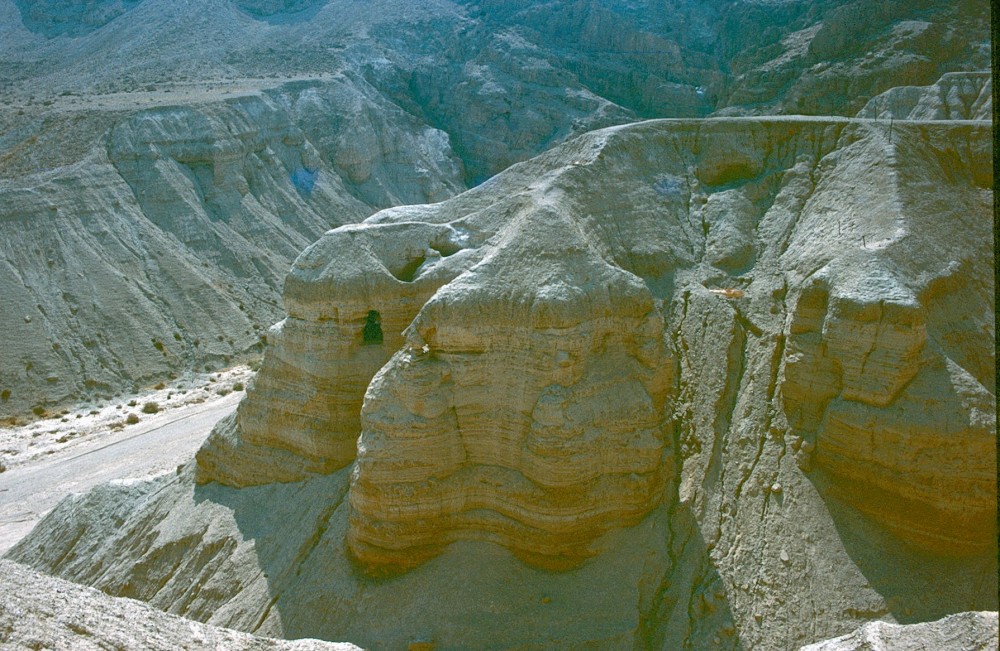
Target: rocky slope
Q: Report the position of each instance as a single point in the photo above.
(968, 631)
(180, 154)
(40, 612)
(671, 385)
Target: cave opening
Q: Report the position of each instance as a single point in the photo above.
(372, 332)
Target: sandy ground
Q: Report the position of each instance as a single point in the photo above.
(49, 459)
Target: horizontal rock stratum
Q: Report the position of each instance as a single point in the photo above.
(160, 168)
(525, 380)
(728, 377)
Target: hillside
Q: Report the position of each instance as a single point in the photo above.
(676, 384)
(162, 162)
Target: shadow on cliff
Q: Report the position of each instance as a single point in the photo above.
(917, 586)
(52, 18)
(653, 587)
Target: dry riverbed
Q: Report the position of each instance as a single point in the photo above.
(105, 421)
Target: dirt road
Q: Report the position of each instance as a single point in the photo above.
(29, 492)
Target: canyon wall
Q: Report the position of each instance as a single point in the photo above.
(682, 382)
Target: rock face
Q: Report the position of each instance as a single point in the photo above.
(165, 250)
(880, 389)
(580, 446)
(38, 611)
(583, 366)
(967, 631)
(320, 113)
(956, 96)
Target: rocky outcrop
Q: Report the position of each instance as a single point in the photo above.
(578, 448)
(578, 366)
(38, 611)
(965, 631)
(955, 96)
(322, 112)
(875, 386)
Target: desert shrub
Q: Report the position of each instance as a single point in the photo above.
(132, 419)
(5, 395)
(151, 407)
(38, 410)
(238, 386)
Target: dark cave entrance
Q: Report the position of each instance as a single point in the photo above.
(372, 333)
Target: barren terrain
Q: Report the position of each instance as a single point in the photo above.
(574, 324)
(49, 459)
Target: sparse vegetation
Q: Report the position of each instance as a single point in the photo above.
(132, 419)
(150, 407)
(38, 410)
(160, 386)
(5, 395)
(238, 386)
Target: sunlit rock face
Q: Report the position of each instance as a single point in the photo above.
(699, 379)
(879, 376)
(969, 630)
(231, 137)
(527, 407)
(521, 386)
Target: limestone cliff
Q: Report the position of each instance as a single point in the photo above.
(583, 365)
(955, 96)
(222, 137)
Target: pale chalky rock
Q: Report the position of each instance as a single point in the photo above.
(878, 369)
(971, 631)
(569, 412)
(349, 297)
(42, 612)
(576, 446)
(955, 96)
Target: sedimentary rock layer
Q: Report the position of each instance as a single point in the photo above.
(551, 296)
(110, 110)
(585, 342)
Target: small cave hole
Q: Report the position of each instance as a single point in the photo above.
(372, 333)
(406, 274)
